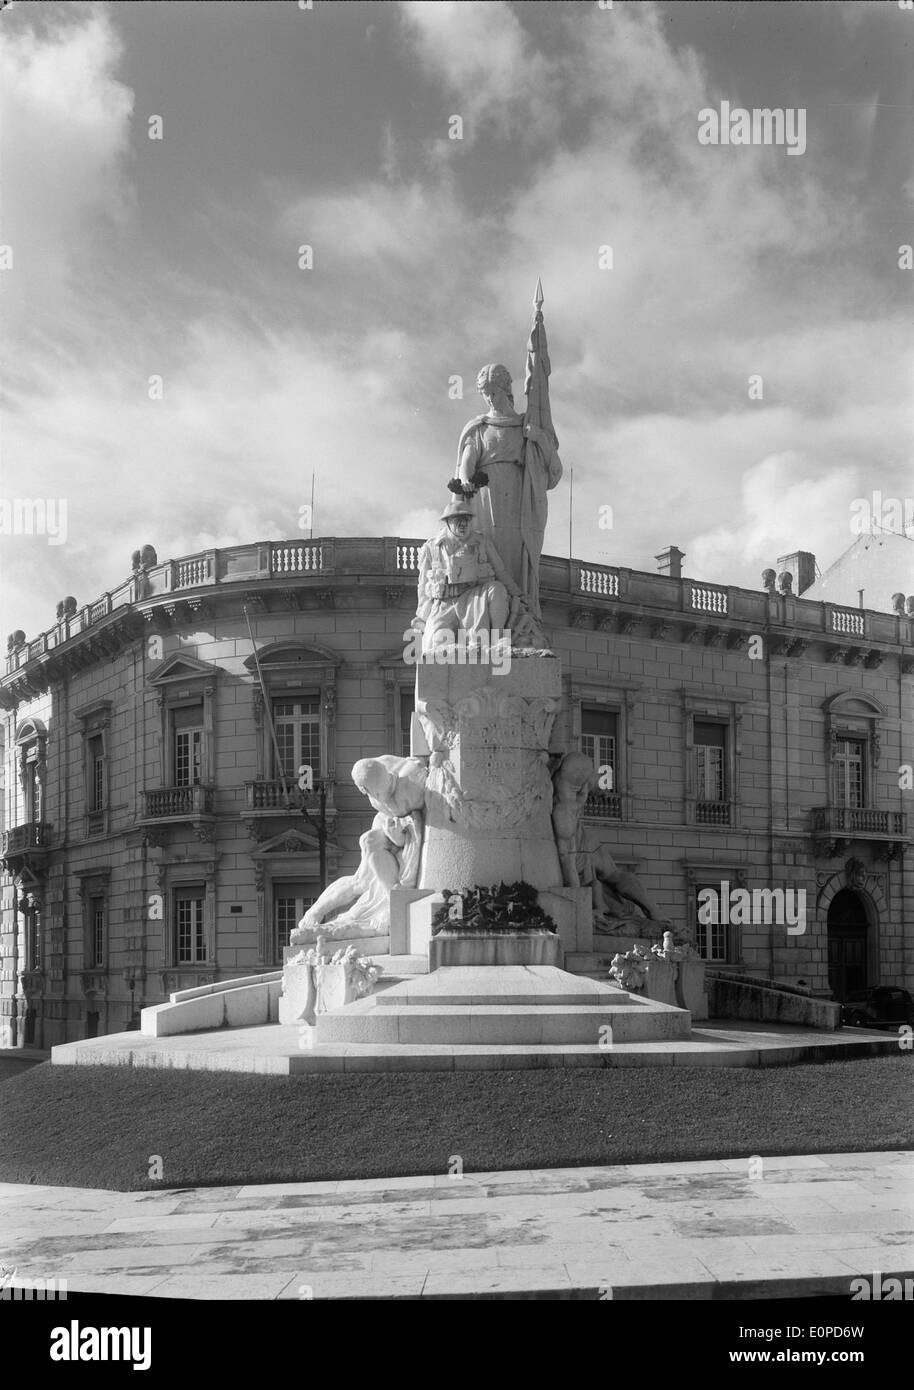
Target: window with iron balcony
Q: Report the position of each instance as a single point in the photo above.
(713, 750)
(599, 741)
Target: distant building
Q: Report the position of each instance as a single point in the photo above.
(153, 838)
(879, 567)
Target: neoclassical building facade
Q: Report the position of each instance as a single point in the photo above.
(154, 837)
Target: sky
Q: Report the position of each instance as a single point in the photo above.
(178, 258)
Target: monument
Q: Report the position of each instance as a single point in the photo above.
(471, 932)
(486, 805)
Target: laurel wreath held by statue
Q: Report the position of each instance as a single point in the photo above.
(470, 489)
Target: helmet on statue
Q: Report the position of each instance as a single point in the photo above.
(459, 507)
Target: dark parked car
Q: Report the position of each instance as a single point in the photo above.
(884, 1004)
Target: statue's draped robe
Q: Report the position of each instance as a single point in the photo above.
(511, 510)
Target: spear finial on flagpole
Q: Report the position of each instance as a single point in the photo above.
(536, 381)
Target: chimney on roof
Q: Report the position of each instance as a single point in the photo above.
(802, 565)
(669, 562)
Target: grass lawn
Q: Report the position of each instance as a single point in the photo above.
(97, 1127)
(10, 1067)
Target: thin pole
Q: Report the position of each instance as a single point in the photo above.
(322, 835)
(311, 532)
(267, 709)
(570, 511)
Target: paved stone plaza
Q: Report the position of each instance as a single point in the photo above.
(804, 1226)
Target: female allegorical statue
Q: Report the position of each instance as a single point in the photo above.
(510, 505)
(507, 462)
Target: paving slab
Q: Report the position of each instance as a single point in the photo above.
(642, 1231)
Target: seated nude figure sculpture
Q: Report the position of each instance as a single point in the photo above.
(585, 864)
(359, 904)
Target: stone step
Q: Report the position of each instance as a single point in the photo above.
(402, 965)
(367, 1022)
(530, 986)
(395, 999)
(586, 962)
(278, 1051)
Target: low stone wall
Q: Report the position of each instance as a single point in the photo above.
(764, 1002)
(227, 1004)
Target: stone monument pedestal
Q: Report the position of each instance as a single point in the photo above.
(489, 794)
(494, 948)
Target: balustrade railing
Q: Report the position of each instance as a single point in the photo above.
(31, 835)
(849, 622)
(859, 820)
(178, 801)
(704, 598)
(604, 806)
(191, 573)
(408, 556)
(291, 558)
(598, 580)
(272, 796)
(399, 556)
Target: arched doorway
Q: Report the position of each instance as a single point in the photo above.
(847, 932)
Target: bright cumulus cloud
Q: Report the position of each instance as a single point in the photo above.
(675, 274)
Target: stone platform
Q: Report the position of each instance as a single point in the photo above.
(277, 1050)
(507, 1005)
(455, 1018)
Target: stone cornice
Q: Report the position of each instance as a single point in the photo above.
(358, 572)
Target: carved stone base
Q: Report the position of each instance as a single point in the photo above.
(495, 948)
(489, 794)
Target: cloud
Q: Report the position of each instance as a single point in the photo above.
(785, 505)
(66, 126)
(726, 263)
(499, 83)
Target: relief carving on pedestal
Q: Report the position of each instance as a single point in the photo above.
(488, 761)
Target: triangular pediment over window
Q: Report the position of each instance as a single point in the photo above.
(182, 667)
(291, 841)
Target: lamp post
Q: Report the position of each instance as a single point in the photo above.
(306, 783)
(130, 981)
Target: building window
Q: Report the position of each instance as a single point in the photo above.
(599, 732)
(711, 791)
(290, 903)
(187, 729)
(33, 937)
(599, 742)
(94, 721)
(407, 708)
(97, 929)
(711, 936)
(190, 933)
(96, 773)
(850, 765)
(31, 758)
(33, 798)
(298, 737)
